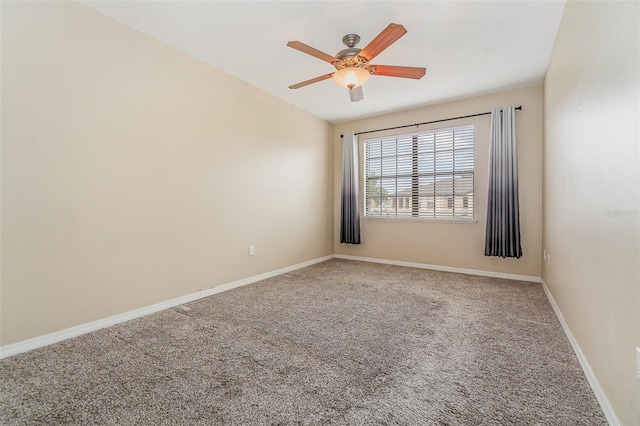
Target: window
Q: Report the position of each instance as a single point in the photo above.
(423, 175)
(430, 203)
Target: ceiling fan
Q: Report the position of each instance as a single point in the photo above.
(352, 64)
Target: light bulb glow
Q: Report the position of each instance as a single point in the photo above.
(351, 77)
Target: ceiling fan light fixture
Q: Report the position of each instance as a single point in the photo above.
(351, 77)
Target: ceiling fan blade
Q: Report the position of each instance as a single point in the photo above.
(383, 40)
(313, 80)
(311, 51)
(356, 94)
(396, 71)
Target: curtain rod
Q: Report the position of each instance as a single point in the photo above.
(427, 122)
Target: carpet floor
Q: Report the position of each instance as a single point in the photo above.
(340, 342)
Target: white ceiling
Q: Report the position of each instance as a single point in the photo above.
(468, 47)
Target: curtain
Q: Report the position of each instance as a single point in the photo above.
(350, 212)
(502, 236)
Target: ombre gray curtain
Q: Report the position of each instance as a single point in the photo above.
(350, 211)
(502, 236)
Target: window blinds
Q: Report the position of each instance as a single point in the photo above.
(421, 175)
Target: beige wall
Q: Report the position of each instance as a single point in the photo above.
(133, 174)
(458, 245)
(592, 182)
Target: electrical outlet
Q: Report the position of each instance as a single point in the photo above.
(252, 250)
(548, 259)
(638, 364)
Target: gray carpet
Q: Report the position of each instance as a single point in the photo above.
(339, 342)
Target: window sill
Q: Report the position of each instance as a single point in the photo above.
(471, 221)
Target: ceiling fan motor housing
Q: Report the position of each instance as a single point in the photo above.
(349, 57)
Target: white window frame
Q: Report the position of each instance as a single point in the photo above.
(424, 186)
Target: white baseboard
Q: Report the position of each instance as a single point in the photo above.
(58, 336)
(609, 413)
(479, 272)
